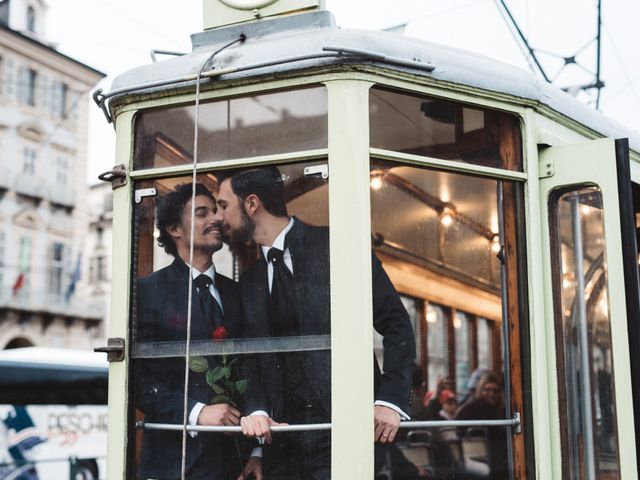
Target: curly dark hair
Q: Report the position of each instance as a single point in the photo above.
(169, 209)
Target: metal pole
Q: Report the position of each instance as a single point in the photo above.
(598, 83)
(512, 423)
(583, 338)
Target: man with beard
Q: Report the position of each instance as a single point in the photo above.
(162, 306)
(287, 294)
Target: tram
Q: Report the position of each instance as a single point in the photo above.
(502, 210)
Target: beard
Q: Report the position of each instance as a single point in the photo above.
(240, 236)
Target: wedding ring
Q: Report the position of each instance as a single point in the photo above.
(384, 435)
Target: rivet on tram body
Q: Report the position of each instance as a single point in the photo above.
(255, 12)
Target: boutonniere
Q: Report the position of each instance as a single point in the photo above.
(221, 378)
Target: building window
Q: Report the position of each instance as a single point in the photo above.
(64, 92)
(62, 171)
(98, 269)
(1, 263)
(32, 80)
(29, 164)
(31, 20)
(56, 269)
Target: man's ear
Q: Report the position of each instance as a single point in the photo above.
(252, 204)
(174, 231)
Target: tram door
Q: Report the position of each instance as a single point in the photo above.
(446, 189)
(588, 215)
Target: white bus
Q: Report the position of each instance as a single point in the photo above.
(53, 414)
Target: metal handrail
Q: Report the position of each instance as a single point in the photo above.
(509, 423)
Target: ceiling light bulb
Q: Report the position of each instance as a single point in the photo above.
(446, 216)
(495, 244)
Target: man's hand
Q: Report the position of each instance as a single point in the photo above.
(387, 422)
(253, 466)
(258, 426)
(220, 414)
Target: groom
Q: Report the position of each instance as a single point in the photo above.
(287, 294)
(162, 303)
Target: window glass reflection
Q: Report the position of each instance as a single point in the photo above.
(265, 124)
(443, 129)
(258, 340)
(583, 319)
(436, 234)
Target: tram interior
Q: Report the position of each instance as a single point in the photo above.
(440, 236)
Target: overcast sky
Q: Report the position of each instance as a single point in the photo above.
(116, 35)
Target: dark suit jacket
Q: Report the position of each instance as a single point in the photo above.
(162, 317)
(309, 247)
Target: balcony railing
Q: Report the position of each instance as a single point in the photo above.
(28, 300)
(30, 185)
(62, 195)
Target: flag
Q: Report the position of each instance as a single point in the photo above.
(18, 284)
(74, 279)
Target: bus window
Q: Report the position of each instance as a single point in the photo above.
(257, 348)
(53, 414)
(583, 331)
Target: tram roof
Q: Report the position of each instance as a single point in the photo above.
(307, 34)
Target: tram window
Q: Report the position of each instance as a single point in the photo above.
(264, 124)
(413, 308)
(583, 326)
(484, 339)
(462, 327)
(252, 347)
(443, 129)
(437, 344)
(435, 233)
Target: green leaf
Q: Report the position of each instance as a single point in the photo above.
(221, 399)
(214, 375)
(198, 364)
(241, 386)
(226, 372)
(231, 387)
(233, 360)
(218, 389)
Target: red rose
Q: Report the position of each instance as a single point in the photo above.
(219, 333)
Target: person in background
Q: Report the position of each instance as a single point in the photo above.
(486, 404)
(433, 405)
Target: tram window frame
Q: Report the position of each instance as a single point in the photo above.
(514, 295)
(181, 156)
(501, 127)
(363, 86)
(147, 234)
(569, 442)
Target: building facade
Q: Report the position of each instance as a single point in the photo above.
(44, 99)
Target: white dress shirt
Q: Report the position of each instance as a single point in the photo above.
(211, 273)
(279, 244)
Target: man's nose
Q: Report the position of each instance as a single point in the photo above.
(217, 215)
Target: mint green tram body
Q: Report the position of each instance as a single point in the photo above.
(504, 212)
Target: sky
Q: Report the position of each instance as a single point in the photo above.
(114, 36)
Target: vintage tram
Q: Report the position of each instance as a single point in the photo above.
(503, 211)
